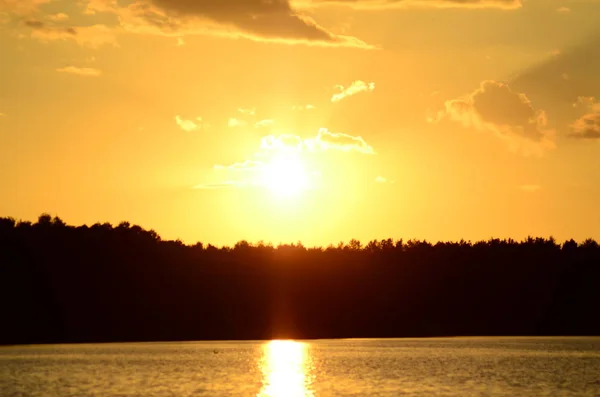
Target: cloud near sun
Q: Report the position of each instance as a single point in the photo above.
(324, 141)
(286, 151)
(189, 125)
(356, 87)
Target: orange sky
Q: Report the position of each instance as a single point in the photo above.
(311, 120)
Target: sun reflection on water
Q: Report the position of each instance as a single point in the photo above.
(287, 369)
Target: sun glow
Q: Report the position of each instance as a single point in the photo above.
(287, 369)
(285, 175)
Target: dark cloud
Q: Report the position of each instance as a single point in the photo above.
(271, 20)
(41, 26)
(498, 104)
(495, 107)
(35, 24)
(89, 36)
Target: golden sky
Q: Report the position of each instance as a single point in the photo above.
(310, 120)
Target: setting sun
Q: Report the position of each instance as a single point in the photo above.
(285, 175)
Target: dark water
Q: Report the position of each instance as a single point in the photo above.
(408, 367)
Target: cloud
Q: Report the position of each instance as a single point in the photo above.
(588, 125)
(496, 108)
(381, 179)
(272, 147)
(259, 20)
(233, 122)
(303, 107)
(101, 6)
(90, 72)
(356, 87)
(264, 123)
(239, 175)
(21, 7)
(282, 142)
(247, 112)
(188, 125)
(563, 9)
(530, 188)
(322, 142)
(327, 140)
(87, 36)
(61, 16)
(586, 102)
(388, 4)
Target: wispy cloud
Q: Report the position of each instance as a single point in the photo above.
(101, 6)
(273, 147)
(303, 107)
(233, 122)
(327, 140)
(288, 142)
(89, 72)
(188, 125)
(563, 9)
(59, 17)
(264, 123)
(356, 87)
(585, 102)
(93, 36)
(247, 112)
(588, 125)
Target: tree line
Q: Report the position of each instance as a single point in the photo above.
(105, 283)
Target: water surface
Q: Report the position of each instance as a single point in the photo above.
(390, 367)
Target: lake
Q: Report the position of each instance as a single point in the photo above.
(361, 367)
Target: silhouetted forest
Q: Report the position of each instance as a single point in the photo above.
(103, 283)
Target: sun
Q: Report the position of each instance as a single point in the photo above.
(285, 175)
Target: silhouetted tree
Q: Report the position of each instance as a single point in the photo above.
(102, 283)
